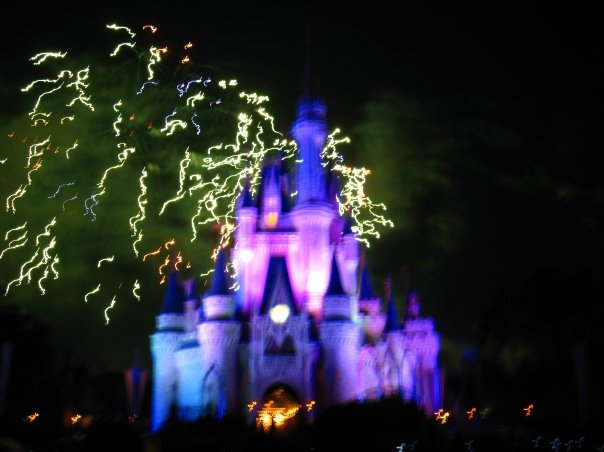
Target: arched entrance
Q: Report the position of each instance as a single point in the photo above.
(280, 409)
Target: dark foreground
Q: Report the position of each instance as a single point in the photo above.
(385, 426)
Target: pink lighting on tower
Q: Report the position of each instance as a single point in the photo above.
(301, 295)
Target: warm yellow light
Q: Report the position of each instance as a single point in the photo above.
(442, 416)
(271, 219)
(279, 313)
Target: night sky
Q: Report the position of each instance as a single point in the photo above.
(483, 129)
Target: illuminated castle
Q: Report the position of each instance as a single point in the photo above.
(305, 326)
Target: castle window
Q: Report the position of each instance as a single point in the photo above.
(279, 313)
(271, 219)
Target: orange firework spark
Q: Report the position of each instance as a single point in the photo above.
(471, 413)
(153, 28)
(152, 253)
(178, 261)
(166, 262)
(32, 417)
(442, 416)
(188, 45)
(527, 410)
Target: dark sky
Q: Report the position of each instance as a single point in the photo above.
(534, 73)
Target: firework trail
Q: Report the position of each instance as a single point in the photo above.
(128, 159)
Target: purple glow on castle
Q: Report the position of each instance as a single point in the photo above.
(305, 321)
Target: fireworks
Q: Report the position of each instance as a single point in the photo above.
(119, 152)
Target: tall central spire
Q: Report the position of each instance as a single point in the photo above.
(310, 132)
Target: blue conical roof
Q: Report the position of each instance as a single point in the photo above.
(247, 199)
(219, 282)
(367, 291)
(335, 285)
(175, 296)
(392, 320)
(277, 274)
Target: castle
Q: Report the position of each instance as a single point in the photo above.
(305, 330)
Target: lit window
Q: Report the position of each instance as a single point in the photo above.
(279, 313)
(271, 219)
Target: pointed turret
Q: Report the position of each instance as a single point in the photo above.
(392, 321)
(175, 296)
(218, 335)
(335, 285)
(219, 302)
(170, 327)
(367, 292)
(340, 338)
(338, 305)
(219, 281)
(247, 200)
(277, 283)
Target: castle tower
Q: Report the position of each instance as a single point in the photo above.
(218, 337)
(188, 360)
(245, 253)
(421, 339)
(393, 331)
(348, 259)
(340, 338)
(170, 326)
(271, 197)
(310, 132)
(312, 215)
